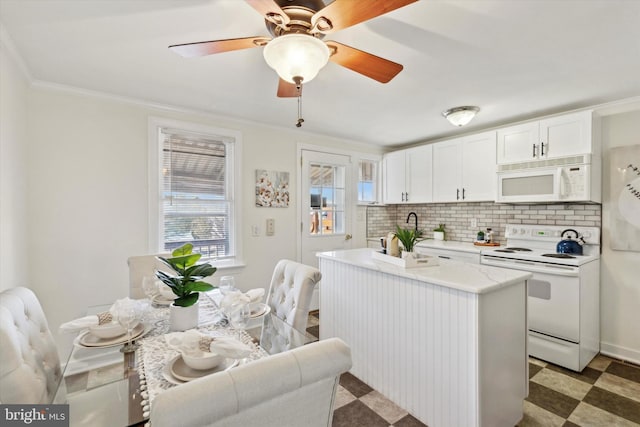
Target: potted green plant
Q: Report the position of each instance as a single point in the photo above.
(438, 232)
(408, 237)
(186, 284)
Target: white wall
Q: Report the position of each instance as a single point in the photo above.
(620, 282)
(14, 263)
(88, 169)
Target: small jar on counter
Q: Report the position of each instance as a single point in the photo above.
(488, 236)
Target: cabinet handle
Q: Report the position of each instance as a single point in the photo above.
(403, 196)
(534, 151)
(406, 199)
(457, 194)
(542, 151)
(444, 257)
(463, 194)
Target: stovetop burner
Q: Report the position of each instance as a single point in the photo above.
(504, 250)
(518, 249)
(558, 255)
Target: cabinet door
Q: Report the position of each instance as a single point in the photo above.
(516, 143)
(566, 135)
(394, 177)
(420, 179)
(479, 167)
(446, 171)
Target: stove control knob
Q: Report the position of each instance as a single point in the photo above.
(586, 235)
(514, 231)
(523, 231)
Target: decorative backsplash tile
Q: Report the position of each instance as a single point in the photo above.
(457, 217)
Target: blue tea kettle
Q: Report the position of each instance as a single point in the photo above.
(568, 244)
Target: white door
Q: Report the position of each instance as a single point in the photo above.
(446, 171)
(326, 206)
(395, 172)
(566, 135)
(479, 167)
(420, 182)
(519, 143)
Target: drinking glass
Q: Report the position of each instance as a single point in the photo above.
(239, 317)
(127, 318)
(227, 284)
(150, 286)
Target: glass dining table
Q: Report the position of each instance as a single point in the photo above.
(105, 387)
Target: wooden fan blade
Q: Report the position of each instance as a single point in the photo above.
(271, 11)
(287, 90)
(192, 50)
(367, 64)
(345, 13)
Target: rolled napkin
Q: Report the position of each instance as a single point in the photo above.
(101, 318)
(196, 344)
(229, 347)
(255, 295)
(231, 299)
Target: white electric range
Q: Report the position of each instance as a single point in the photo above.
(563, 295)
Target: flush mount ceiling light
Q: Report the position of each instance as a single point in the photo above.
(460, 116)
(296, 56)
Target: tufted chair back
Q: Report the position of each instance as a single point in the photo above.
(141, 266)
(294, 388)
(29, 363)
(291, 290)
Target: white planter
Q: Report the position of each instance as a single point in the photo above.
(438, 235)
(183, 318)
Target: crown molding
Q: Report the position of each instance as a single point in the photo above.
(7, 43)
(58, 87)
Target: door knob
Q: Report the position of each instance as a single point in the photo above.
(347, 237)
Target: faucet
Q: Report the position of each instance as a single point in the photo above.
(415, 216)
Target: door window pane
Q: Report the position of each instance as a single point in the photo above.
(327, 199)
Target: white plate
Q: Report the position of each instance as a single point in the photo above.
(88, 340)
(162, 301)
(182, 373)
(260, 311)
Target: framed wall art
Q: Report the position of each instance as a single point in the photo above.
(272, 189)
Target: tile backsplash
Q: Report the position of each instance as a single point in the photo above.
(457, 217)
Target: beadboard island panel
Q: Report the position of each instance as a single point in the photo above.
(446, 343)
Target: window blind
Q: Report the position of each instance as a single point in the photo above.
(195, 201)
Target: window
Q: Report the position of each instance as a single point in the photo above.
(367, 177)
(195, 200)
(327, 198)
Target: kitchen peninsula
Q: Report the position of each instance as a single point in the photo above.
(448, 343)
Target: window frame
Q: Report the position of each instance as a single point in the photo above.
(377, 181)
(233, 142)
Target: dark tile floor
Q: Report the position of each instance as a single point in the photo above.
(606, 393)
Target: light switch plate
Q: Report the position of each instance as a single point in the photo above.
(255, 230)
(271, 227)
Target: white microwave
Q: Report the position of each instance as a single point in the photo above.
(538, 184)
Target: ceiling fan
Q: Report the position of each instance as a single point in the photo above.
(296, 50)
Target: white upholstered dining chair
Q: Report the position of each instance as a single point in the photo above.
(140, 267)
(291, 291)
(294, 388)
(29, 363)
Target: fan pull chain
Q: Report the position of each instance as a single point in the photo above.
(300, 119)
(298, 82)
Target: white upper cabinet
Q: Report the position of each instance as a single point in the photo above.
(560, 136)
(407, 175)
(464, 169)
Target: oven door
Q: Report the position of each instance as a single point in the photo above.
(553, 296)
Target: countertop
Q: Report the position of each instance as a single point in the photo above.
(450, 245)
(463, 276)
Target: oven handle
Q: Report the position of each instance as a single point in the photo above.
(533, 267)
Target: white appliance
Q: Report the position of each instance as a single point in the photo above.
(568, 179)
(563, 304)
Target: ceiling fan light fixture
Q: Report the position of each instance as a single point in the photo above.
(460, 116)
(296, 55)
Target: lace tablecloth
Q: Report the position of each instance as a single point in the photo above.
(153, 353)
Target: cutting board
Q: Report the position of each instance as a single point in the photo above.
(486, 244)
